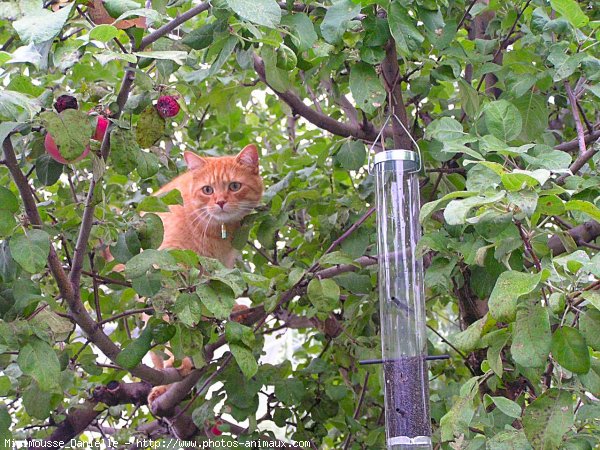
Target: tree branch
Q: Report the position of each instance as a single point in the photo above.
(360, 131)
(576, 117)
(170, 26)
(390, 72)
(81, 416)
(581, 160)
(574, 144)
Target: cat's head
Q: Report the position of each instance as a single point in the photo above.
(226, 188)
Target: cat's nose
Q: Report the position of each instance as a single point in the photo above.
(221, 203)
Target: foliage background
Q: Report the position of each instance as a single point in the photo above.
(502, 97)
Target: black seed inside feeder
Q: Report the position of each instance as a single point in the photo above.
(402, 306)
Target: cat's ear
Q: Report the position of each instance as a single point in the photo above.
(193, 161)
(248, 156)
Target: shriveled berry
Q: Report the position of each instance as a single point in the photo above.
(65, 102)
(167, 106)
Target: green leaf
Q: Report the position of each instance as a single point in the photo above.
(589, 324)
(8, 201)
(59, 328)
(303, 33)
(457, 210)
(510, 286)
(140, 264)
(38, 402)
(352, 155)
(531, 336)
(147, 164)
(323, 294)
(591, 380)
(118, 7)
(38, 360)
(548, 418)
(133, 353)
(569, 349)
(429, 208)
(366, 87)
(48, 170)
(534, 112)
(469, 98)
(571, 11)
(508, 407)
(336, 20)
(200, 37)
(188, 309)
(585, 207)
(127, 246)
(150, 231)
(508, 440)
(150, 127)
(469, 339)
(444, 129)
(261, 12)
(503, 120)
(71, 130)
(290, 391)
(456, 421)
(30, 250)
(403, 29)
(177, 56)
(103, 33)
(218, 298)
(567, 66)
(238, 333)
(245, 359)
(153, 204)
(40, 25)
(15, 106)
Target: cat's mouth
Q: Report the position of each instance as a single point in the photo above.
(224, 216)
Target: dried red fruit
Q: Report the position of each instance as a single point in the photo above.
(167, 106)
(65, 102)
(215, 428)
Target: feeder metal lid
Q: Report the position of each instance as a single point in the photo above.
(409, 157)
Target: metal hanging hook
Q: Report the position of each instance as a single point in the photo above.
(380, 135)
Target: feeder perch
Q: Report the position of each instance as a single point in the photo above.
(401, 298)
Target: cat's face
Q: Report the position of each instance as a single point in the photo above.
(227, 188)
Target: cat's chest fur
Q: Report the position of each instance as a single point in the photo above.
(204, 238)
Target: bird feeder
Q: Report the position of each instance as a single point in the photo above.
(401, 298)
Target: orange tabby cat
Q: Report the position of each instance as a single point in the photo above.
(217, 193)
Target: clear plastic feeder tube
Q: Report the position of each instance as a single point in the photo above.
(402, 301)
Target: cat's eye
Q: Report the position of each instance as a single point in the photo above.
(235, 186)
(208, 190)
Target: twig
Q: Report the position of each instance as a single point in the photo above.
(529, 248)
(449, 344)
(576, 117)
(262, 252)
(131, 312)
(581, 160)
(464, 17)
(504, 42)
(357, 410)
(106, 280)
(170, 26)
(574, 144)
(588, 124)
(350, 230)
